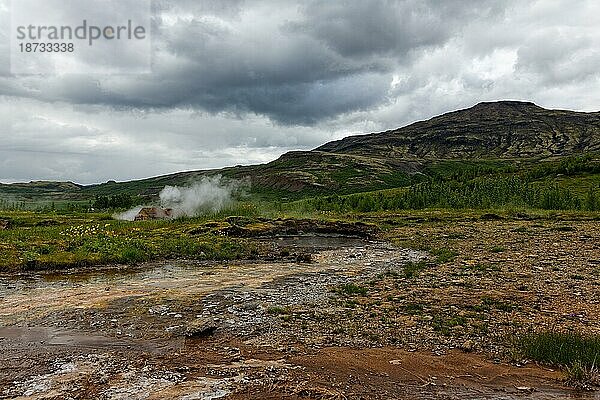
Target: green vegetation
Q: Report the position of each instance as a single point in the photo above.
(488, 303)
(477, 206)
(444, 255)
(569, 166)
(278, 310)
(412, 269)
(315, 181)
(576, 352)
(480, 193)
(445, 325)
(116, 201)
(66, 229)
(453, 170)
(351, 289)
(580, 376)
(412, 308)
(480, 267)
(570, 183)
(37, 241)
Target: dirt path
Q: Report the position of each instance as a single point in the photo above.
(146, 333)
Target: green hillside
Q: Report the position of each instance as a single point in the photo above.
(543, 148)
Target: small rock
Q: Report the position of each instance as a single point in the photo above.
(524, 389)
(200, 327)
(468, 346)
(304, 258)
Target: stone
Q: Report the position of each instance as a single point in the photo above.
(200, 327)
(468, 346)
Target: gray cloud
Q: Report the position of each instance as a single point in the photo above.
(268, 58)
(388, 28)
(239, 82)
(558, 57)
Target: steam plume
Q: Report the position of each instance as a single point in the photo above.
(210, 194)
(128, 215)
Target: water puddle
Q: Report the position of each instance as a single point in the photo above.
(54, 291)
(317, 242)
(47, 337)
(246, 297)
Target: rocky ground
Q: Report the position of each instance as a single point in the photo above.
(430, 316)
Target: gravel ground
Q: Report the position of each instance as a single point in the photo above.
(200, 331)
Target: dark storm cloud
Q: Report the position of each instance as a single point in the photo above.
(294, 64)
(306, 62)
(387, 28)
(244, 81)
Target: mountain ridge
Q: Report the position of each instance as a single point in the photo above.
(503, 129)
(508, 131)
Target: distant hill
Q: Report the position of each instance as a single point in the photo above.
(504, 129)
(35, 189)
(502, 133)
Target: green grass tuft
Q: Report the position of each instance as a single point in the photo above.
(278, 310)
(563, 349)
(351, 289)
(413, 269)
(444, 255)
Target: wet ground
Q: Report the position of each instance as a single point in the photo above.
(190, 330)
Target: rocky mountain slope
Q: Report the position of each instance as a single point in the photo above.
(504, 129)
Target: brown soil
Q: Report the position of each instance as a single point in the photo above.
(290, 330)
(56, 365)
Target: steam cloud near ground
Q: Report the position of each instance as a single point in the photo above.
(210, 194)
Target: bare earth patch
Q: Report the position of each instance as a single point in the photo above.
(363, 319)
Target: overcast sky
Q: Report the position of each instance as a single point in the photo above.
(241, 82)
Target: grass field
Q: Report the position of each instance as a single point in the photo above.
(51, 240)
(47, 233)
(480, 222)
